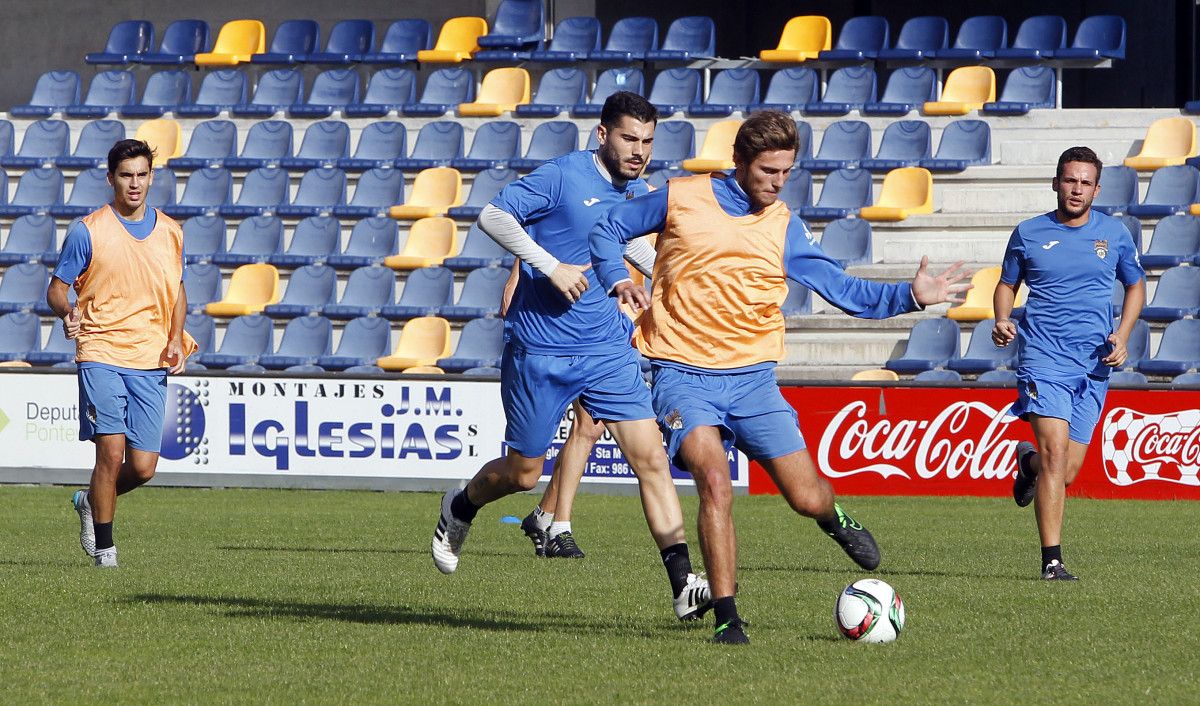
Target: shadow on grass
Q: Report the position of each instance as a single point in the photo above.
(350, 550)
(928, 573)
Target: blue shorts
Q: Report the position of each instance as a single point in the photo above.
(747, 408)
(1078, 399)
(115, 402)
(536, 390)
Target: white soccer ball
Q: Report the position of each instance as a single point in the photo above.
(869, 610)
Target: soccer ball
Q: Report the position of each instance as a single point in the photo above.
(869, 610)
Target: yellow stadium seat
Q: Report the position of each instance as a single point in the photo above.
(423, 341)
(876, 375)
(424, 370)
(906, 191)
(978, 305)
(717, 152)
(457, 41)
(501, 92)
(430, 241)
(15, 364)
(1169, 141)
(434, 191)
(164, 137)
(803, 38)
(237, 40)
(967, 88)
(251, 288)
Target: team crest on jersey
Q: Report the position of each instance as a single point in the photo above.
(1101, 247)
(674, 420)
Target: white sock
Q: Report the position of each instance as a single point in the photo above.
(557, 528)
(542, 519)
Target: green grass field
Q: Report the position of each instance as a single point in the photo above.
(258, 596)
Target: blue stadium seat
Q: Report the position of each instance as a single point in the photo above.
(304, 368)
(91, 149)
(487, 372)
(263, 190)
(1118, 189)
(380, 144)
(202, 284)
(931, 344)
(557, 91)
(1176, 240)
(495, 144)
(364, 369)
(732, 90)
(57, 349)
(19, 334)
(629, 40)
(400, 43)
(23, 286)
(479, 250)
(162, 188)
(163, 93)
(293, 41)
(319, 191)
(908, 88)
(257, 239)
(437, 144)
(687, 38)
(983, 355)
(368, 290)
(314, 239)
(181, 42)
(550, 139)
(964, 143)
(331, 90)
(44, 142)
(612, 80)
(108, 92)
(1097, 37)
(1134, 226)
(206, 189)
(797, 190)
(1000, 377)
(918, 37)
(309, 289)
(376, 191)
(90, 191)
(444, 90)
(844, 193)
(1176, 296)
(28, 238)
(904, 144)
(1038, 37)
(480, 296)
(1127, 378)
(844, 144)
(212, 143)
(426, 290)
(348, 40)
(324, 143)
(1171, 190)
(126, 41)
(1025, 88)
(978, 38)
(203, 329)
(364, 340)
(37, 190)
(804, 135)
(220, 90)
(480, 346)
(53, 93)
(484, 188)
(674, 141)
(371, 240)
(277, 90)
(574, 38)
(387, 90)
(267, 143)
(798, 301)
(1178, 351)
(518, 25)
(1138, 344)
(246, 338)
(1186, 380)
(676, 90)
(203, 237)
(849, 88)
(790, 89)
(848, 240)
(939, 375)
(861, 38)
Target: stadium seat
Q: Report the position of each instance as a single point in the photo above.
(798, 301)
(375, 192)
(967, 88)
(324, 143)
(983, 355)
(256, 239)
(848, 240)
(277, 90)
(293, 41)
(22, 286)
(37, 190)
(1134, 226)
(906, 191)
(908, 88)
(629, 40)
(28, 238)
(181, 42)
(91, 150)
(423, 341)
(246, 338)
(444, 90)
(126, 41)
(1178, 350)
(1168, 142)
(203, 237)
(978, 38)
(164, 136)
(1038, 37)
(797, 190)
(674, 142)
(484, 188)
(849, 88)
(480, 345)
(426, 290)
(732, 91)
(368, 290)
(1138, 345)
(57, 349)
(108, 92)
(371, 240)
(480, 296)
(550, 139)
(380, 144)
(501, 91)
(938, 375)
(574, 38)
(918, 37)
(844, 144)
(931, 344)
(978, 303)
(998, 377)
(790, 89)
(964, 143)
(1186, 380)
(220, 90)
(558, 91)
(804, 37)
(164, 91)
(19, 336)
(1097, 37)
(319, 192)
(401, 42)
(430, 240)
(1176, 240)
(716, 154)
(1127, 378)
(212, 142)
(348, 40)
(904, 144)
(267, 143)
(331, 90)
(518, 27)
(162, 188)
(687, 38)
(676, 90)
(456, 42)
(423, 370)
(1118, 189)
(263, 190)
(438, 144)
(44, 142)
(90, 191)
(495, 144)
(804, 136)
(237, 41)
(434, 191)
(54, 92)
(612, 80)
(875, 375)
(251, 288)
(364, 340)
(309, 289)
(1025, 88)
(314, 239)
(485, 372)
(1171, 190)
(1176, 296)
(860, 38)
(479, 250)
(845, 192)
(387, 90)
(202, 284)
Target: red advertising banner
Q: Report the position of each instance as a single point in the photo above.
(961, 441)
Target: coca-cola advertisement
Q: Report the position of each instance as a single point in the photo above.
(962, 441)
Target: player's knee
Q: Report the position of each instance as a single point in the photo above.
(109, 460)
(588, 433)
(713, 483)
(524, 473)
(816, 502)
(143, 473)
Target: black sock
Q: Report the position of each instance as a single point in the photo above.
(104, 538)
(462, 508)
(830, 525)
(679, 565)
(1049, 554)
(725, 610)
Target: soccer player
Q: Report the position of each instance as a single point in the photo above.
(1069, 258)
(126, 263)
(568, 340)
(714, 333)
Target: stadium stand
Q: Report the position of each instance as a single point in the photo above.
(203, 237)
(1188, 380)
(164, 136)
(495, 144)
(445, 89)
(875, 375)
(479, 250)
(908, 88)
(202, 284)
(127, 40)
(211, 144)
(22, 286)
(1002, 377)
(978, 303)
(54, 92)
(19, 333)
(938, 375)
(790, 89)
(1118, 189)
(797, 190)
(89, 192)
(1127, 378)
(798, 301)
(674, 142)
(91, 148)
(423, 341)
(676, 90)
(164, 92)
(59, 349)
(438, 144)
(37, 190)
(319, 192)
(1097, 37)
(108, 92)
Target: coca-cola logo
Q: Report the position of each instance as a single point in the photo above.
(1140, 447)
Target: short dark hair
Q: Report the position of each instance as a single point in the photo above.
(765, 131)
(623, 103)
(128, 149)
(1078, 154)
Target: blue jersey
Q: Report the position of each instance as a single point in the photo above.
(1070, 273)
(558, 203)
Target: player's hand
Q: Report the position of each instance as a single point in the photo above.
(510, 288)
(633, 295)
(570, 281)
(72, 322)
(175, 357)
(1119, 353)
(1003, 333)
(946, 287)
